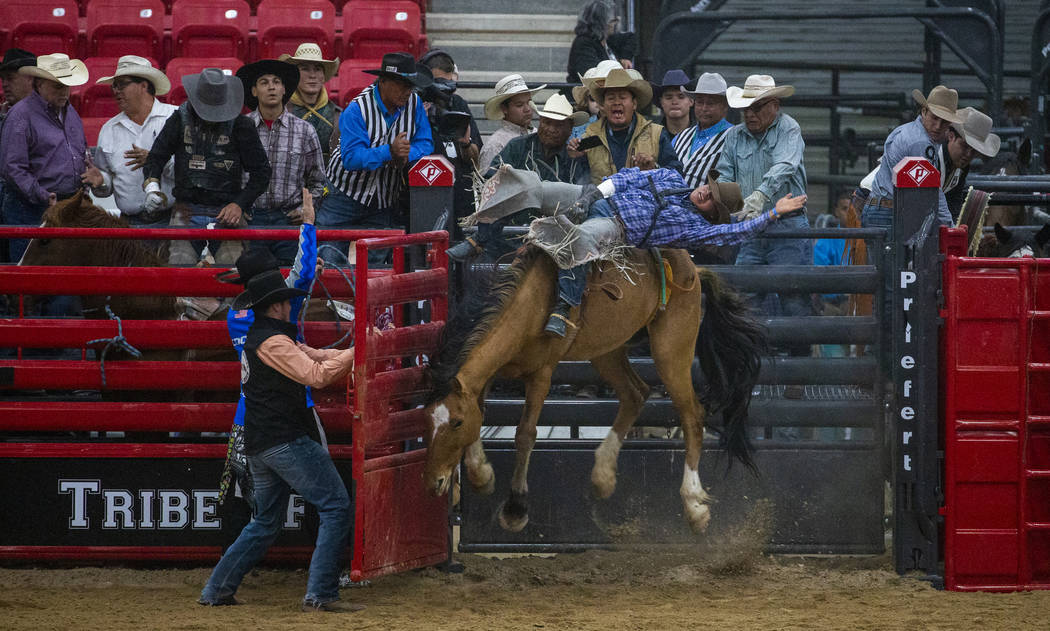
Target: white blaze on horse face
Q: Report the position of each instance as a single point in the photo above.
(603, 476)
(1023, 251)
(440, 418)
(694, 500)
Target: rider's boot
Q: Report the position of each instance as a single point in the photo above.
(465, 249)
(558, 323)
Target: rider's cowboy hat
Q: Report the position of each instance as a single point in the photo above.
(507, 88)
(15, 58)
(214, 95)
(265, 289)
(288, 74)
(758, 87)
(976, 130)
(135, 66)
(943, 102)
(402, 66)
(727, 198)
(629, 80)
(59, 68)
(249, 265)
(310, 52)
(558, 108)
(709, 83)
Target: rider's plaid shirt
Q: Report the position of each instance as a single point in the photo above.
(679, 224)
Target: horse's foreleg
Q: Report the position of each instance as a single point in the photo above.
(479, 470)
(514, 514)
(615, 369)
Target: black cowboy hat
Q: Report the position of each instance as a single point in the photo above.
(15, 58)
(402, 66)
(672, 79)
(287, 72)
(265, 289)
(250, 264)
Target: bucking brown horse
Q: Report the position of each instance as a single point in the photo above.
(500, 333)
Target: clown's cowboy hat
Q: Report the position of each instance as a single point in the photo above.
(758, 87)
(629, 80)
(265, 289)
(288, 74)
(943, 102)
(507, 88)
(141, 68)
(558, 108)
(58, 68)
(976, 130)
(310, 52)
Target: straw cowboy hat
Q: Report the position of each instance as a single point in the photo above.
(942, 101)
(403, 67)
(310, 52)
(558, 108)
(507, 87)
(595, 77)
(758, 87)
(976, 130)
(214, 95)
(264, 289)
(627, 79)
(59, 68)
(728, 199)
(709, 83)
(135, 66)
(288, 74)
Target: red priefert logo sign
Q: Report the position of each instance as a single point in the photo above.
(914, 172)
(431, 171)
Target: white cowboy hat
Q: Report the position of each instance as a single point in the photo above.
(630, 80)
(758, 87)
(59, 68)
(943, 102)
(595, 77)
(310, 52)
(135, 66)
(558, 108)
(709, 83)
(976, 130)
(507, 87)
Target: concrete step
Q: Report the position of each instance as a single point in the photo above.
(501, 58)
(555, 29)
(533, 7)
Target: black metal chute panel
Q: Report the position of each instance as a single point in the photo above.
(976, 37)
(1040, 73)
(667, 7)
(691, 33)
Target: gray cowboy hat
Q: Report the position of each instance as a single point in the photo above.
(976, 130)
(214, 95)
(265, 289)
(287, 72)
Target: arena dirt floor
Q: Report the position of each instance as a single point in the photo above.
(726, 584)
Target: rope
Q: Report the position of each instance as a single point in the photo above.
(117, 340)
(353, 288)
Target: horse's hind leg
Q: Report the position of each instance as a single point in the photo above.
(673, 342)
(514, 514)
(615, 369)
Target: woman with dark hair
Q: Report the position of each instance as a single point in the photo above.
(597, 40)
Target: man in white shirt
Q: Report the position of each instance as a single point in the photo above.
(125, 141)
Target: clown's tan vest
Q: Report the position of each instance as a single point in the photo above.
(646, 139)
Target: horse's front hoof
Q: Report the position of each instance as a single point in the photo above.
(698, 516)
(514, 514)
(603, 482)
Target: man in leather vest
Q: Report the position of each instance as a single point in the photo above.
(214, 146)
(286, 446)
(628, 139)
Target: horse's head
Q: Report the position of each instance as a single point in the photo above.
(453, 422)
(76, 212)
(1017, 244)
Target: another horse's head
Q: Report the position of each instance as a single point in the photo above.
(453, 422)
(1017, 243)
(76, 212)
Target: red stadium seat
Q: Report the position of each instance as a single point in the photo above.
(284, 24)
(179, 67)
(40, 26)
(210, 28)
(375, 27)
(125, 27)
(352, 78)
(92, 100)
(92, 126)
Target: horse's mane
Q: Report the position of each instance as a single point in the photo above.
(473, 317)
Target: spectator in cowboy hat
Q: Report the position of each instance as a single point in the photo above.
(214, 146)
(581, 94)
(674, 101)
(310, 100)
(627, 138)
(125, 141)
(16, 87)
(291, 146)
(382, 130)
(512, 104)
(764, 156)
(700, 146)
(965, 140)
(43, 150)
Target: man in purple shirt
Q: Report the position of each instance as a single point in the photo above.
(43, 148)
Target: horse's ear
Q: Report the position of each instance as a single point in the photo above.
(1043, 236)
(1002, 233)
(457, 385)
(1024, 153)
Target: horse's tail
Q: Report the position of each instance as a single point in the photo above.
(730, 347)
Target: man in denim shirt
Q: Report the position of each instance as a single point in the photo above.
(764, 156)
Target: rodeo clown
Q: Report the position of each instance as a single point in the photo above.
(643, 209)
(281, 435)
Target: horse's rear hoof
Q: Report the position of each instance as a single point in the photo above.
(514, 513)
(512, 524)
(698, 517)
(488, 487)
